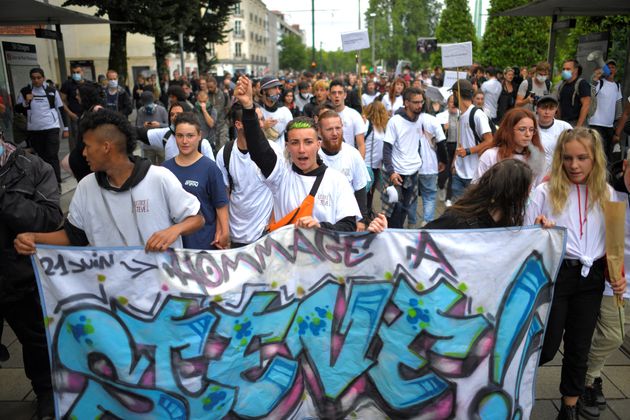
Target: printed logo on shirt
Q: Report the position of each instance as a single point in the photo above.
(141, 206)
(324, 199)
(191, 183)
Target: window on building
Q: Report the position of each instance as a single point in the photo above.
(237, 49)
(237, 27)
(237, 9)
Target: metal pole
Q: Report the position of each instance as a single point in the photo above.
(374, 41)
(181, 54)
(551, 52)
(313, 28)
(61, 55)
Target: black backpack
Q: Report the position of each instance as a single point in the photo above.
(473, 127)
(50, 93)
(530, 87)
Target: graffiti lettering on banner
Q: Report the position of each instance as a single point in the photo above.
(302, 324)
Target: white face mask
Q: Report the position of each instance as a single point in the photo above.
(541, 78)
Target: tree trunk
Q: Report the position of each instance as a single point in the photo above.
(118, 50)
(202, 58)
(161, 49)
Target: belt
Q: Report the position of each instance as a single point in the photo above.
(570, 263)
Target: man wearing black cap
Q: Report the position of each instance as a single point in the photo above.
(475, 136)
(276, 117)
(549, 128)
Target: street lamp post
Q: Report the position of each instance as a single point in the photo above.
(373, 16)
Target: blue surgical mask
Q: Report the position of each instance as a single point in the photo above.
(76, 77)
(112, 83)
(1, 149)
(567, 74)
(274, 98)
(150, 108)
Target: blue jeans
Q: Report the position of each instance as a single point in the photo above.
(459, 185)
(427, 184)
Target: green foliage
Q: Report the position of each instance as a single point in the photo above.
(514, 40)
(397, 25)
(455, 25)
(336, 61)
(293, 53)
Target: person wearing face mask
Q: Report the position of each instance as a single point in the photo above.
(117, 98)
(303, 95)
(151, 114)
(276, 117)
(574, 94)
(532, 88)
(71, 105)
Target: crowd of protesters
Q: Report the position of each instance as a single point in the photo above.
(226, 160)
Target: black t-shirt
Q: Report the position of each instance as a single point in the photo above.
(571, 111)
(69, 88)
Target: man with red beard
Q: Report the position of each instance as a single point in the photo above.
(344, 158)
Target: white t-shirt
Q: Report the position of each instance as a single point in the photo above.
(283, 116)
(349, 162)
(432, 129)
(588, 246)
(129, 218)
(549, 138)
(367, 99)
(251, 200)
(334, 199)
(398, 103)
(374, 148)
(353, 125)
(467, 166)
(492, 90)
(607, 98)
(491, 157)
(156, 135)
(404, 136)
(40, 116)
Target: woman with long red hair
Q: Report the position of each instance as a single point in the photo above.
(393, 99)
(516, 138)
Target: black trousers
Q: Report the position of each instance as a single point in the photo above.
(573, 316)
(607, 135)
(25, 319)
(445, 177)
(46, 145)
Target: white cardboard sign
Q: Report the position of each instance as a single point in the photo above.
(356, 40)
(457, 55)
(450, 77)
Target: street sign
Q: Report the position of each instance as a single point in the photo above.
(48, 34)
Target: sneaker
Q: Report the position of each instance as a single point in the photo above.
(587, 404)
(448, 203)
(567, 412)
(45, 406)
(599, 393)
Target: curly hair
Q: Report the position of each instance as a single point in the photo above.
(377, 115)
(504, 137)
(116, 127)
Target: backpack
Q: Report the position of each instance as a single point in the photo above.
(50, 93)
(530, 86)
(594, 92)
(473, 127)
(227, 153)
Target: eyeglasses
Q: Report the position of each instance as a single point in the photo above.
(188, 136)
(417, 102)
(524, 130)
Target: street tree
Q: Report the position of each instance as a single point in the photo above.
(398, 24)
(293, 54)
(455, 25)
(514, 40)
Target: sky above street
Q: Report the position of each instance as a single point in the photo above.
(332, 17)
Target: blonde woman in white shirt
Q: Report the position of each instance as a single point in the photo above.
(573, 199)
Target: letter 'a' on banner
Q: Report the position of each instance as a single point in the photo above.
(303, 323)
(456, 55)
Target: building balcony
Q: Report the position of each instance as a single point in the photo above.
(238, 35)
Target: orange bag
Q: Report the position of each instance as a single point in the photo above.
(304, 209)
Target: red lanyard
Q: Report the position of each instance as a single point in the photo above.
(582, 222)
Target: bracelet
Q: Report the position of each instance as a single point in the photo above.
(468, 152)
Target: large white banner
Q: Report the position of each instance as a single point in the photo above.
(303, 324)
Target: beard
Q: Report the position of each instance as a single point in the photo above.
(332, 146)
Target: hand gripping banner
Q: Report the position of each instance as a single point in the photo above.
(303, 324)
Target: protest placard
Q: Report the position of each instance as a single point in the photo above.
(450, 77)
(355, 40)
(456, 55)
